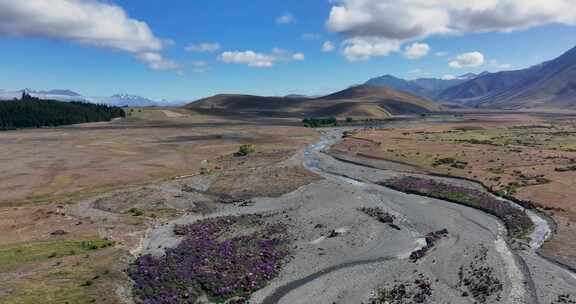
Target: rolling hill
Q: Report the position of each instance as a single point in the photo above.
(357, 102)
(393, 101)
(550, 85)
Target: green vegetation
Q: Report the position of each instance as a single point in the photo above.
(84, 281)
(12, 256)
(38, 292)
(382, 296)
(452, 162)
(153, 213)
(136, 212)
(474, 141)
(531, 136)
(245, 150)
(316, 122)
(31, 112)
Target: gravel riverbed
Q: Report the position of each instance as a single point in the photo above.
(340, 254)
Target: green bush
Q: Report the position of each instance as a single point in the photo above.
(136, 212)
(245, 150)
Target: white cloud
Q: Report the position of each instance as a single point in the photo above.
(87, 22)
(402, 21)
(363, 48)
(467, 60)
(287, 18)
(260, 60)
(328, 47)
(416, 50)
(502, 66)
(157, 62)
(449, 77)
(204, 47)
(409, 19)
(249, 58)
(298, 56)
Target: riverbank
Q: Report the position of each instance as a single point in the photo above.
(341, 255)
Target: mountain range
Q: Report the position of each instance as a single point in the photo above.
(429, 88)
(549, 85)
(123, 100)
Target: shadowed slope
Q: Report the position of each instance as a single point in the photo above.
(359, 101)
(550, 85)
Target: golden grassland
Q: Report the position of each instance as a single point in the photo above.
(49, 174)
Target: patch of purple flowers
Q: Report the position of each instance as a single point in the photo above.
(516, 220)
(215, 260)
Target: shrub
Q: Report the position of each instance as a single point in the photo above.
(454, 163)
(136, 212)
(87, 284)
(245, 150)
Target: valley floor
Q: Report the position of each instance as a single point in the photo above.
(340, 254)
(531, 157)
(348, 239)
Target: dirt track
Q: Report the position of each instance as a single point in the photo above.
(341, 255)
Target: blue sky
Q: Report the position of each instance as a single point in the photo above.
(251, 49)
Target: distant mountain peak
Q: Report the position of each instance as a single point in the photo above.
(126, 96)
(64, 92)
(67, 95)
(468, 76)
(550, 84)
(428, 88)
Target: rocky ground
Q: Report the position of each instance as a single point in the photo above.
(354, 241)
(307, 228)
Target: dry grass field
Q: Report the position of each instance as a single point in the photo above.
(531, 157)
(77, 200)
(56, 164)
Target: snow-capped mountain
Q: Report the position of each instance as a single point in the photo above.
(127, 100)
(62, 95)
(121, 100)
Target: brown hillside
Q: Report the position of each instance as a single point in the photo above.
(358, 102)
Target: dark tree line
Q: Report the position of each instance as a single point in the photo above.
(32, 112)
(317, 122)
